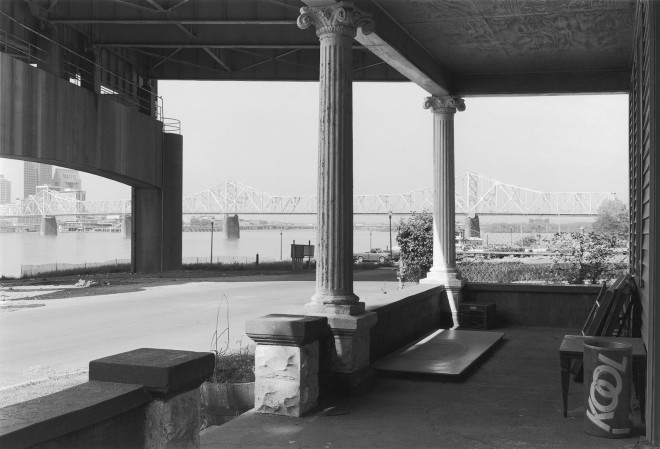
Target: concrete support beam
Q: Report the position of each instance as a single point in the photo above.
(49, 120)
(391, 43)
(394, 45)
(147, 232)
(444, 270)
(172, 201)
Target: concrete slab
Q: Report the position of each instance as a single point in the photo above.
(513, 400)
(444, 353)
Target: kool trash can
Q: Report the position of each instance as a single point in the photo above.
(607, 380)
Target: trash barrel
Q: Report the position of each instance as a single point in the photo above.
(607, 381)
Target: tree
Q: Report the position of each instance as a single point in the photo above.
(613, 219)
(415, 239)
(583, 256)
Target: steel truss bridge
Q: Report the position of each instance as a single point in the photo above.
(475, 194)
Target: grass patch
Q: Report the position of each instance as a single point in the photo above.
(115, 268)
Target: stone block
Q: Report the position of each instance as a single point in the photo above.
(286, 379)
(164, 372)
(173, 423)
(278, 329)
(351, 341)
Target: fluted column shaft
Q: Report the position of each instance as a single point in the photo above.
(336, 26)
(444, 269)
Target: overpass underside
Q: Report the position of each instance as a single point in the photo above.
(62, 112)
(457, 49)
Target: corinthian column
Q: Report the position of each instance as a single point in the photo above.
(336, 26)
(444, 270)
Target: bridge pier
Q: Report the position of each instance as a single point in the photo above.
(172, 201)
(126, 226)
(147, 231)
(156, 215)
(48, 226)
(232, 228)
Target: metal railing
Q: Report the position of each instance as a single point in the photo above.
(115, 85)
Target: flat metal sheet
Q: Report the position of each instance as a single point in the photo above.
(446, 352)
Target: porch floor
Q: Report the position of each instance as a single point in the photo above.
(512, 399)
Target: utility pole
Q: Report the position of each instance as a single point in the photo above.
(390, 214)
(211, 241)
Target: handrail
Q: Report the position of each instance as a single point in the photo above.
(122, 90)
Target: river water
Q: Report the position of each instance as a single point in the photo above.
(30, 248)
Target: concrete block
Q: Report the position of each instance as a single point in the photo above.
(164, 372)
(287, 330)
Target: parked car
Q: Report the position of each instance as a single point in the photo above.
(374, 255)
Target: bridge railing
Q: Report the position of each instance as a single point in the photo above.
(81, 71)
(474, 195)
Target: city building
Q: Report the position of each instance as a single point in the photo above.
(5, 190)
(35, 174)
(68, 180)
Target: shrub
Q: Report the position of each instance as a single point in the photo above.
(415, 238)
(234, 367)
(583, 256)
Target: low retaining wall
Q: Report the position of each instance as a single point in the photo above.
(535, 304)
(412, 312)
(142, 398)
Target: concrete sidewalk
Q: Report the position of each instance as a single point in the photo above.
(513, 399)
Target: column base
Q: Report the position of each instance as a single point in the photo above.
(328, 309)
(286, 379)
(451, 279)
(347, 350)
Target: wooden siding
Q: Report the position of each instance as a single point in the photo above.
(644, 196)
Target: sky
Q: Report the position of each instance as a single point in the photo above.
(264, 134)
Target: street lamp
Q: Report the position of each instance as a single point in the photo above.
(280, 244)
(211, 242)
(369, 241)
(390, 214)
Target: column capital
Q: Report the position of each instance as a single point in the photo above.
(444, 105)
(342, 18)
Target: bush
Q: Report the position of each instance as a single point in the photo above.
(505, 272)
(234, 367)
(583, 256)
(415, 238)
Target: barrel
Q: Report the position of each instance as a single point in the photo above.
(607, 382)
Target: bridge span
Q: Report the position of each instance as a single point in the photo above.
(475, 194)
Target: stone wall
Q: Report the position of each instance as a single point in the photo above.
(147, 398)
(412, 313)
(535, 305)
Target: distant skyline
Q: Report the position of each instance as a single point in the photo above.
(265, 135)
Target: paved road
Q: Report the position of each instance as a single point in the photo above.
(65, 334)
